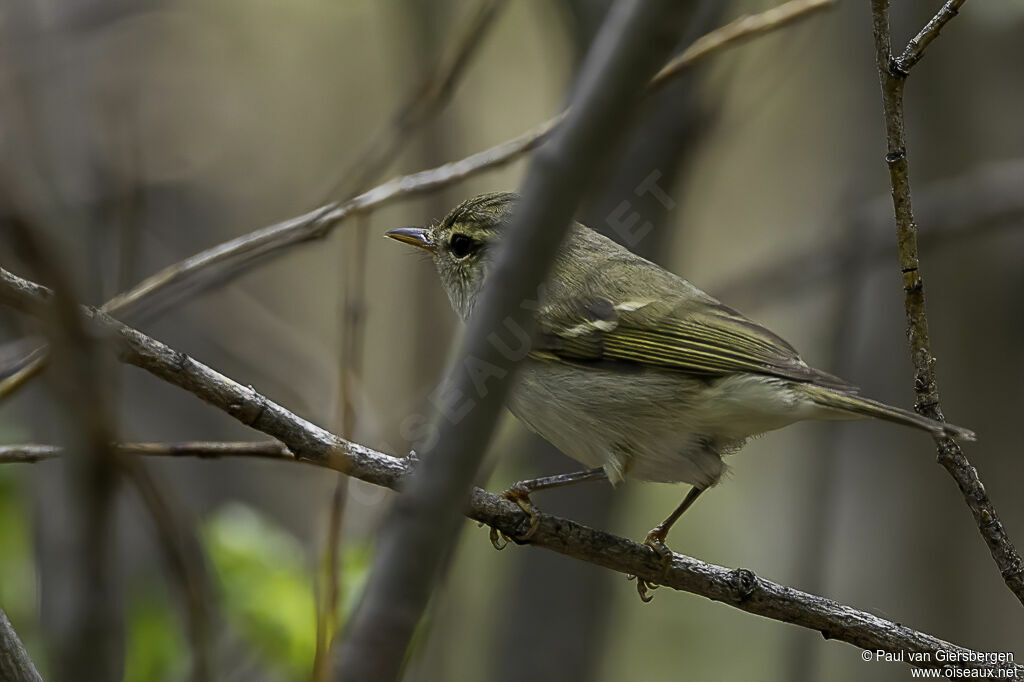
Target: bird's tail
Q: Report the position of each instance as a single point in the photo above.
(857, 405)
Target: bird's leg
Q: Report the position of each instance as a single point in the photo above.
(656, 541)
(520, 494)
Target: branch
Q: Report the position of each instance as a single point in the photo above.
(227, 260)
(186, 561)
(306, 442)
(736, 587)
(88, 626)
(915, 48)
(271, 449)
(424, 101)
(634, 40)
(15, 663)
(892, 80)
(740, 30)
(432, 93)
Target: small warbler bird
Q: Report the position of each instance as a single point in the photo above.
(635, 372)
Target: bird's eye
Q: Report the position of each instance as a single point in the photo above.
(461, 245)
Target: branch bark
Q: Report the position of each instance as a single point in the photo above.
(915, 48)
(739, 587)
(892, 74)
(306, 442)
(15, 663)
(271, 449)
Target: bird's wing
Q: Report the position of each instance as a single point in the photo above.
(699, 336)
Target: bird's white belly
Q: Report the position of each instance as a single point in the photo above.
(651, 424)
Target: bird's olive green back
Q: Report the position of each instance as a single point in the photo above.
(621, 308)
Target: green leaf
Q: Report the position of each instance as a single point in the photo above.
(266, 586)
(156, 648)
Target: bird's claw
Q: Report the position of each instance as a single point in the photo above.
(521, 496)
(656, 541)
(498, 539)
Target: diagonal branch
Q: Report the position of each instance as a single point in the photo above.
(634, 40)
(227, 260)
(311, 444)
(950, 456)
(15, 663)
(915, 48)
(424, 101)
(739, 30)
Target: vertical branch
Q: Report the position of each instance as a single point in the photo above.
(427, 98)
(544, 589)
(351, 332)
(87, 620)
(185, 560)
(892, 75)
(634, 41)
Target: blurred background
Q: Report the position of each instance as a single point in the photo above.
(140, 133)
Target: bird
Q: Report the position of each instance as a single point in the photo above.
(633, 371)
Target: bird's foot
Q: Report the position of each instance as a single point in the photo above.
(656, 541)
(519, 494)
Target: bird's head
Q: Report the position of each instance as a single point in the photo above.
(461, 244)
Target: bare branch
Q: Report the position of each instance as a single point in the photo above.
(1009, 562)
(736, 587)
(271, 449)
(87, 626)
(432, 93)
(745, 28)
(915, 48)
(425, 100)
(634, 40)
(227, 260)
(309, 443)
(15, 663)
(185, 560)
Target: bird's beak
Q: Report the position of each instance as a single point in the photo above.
(416, 236)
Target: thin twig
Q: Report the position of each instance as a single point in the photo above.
(433, 91)
(739, 30)
(185, 561)
(303, 441)
(271, 449)
(892, 80)
(915, 48)
(227, 260)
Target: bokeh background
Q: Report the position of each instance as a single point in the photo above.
(164, 127)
